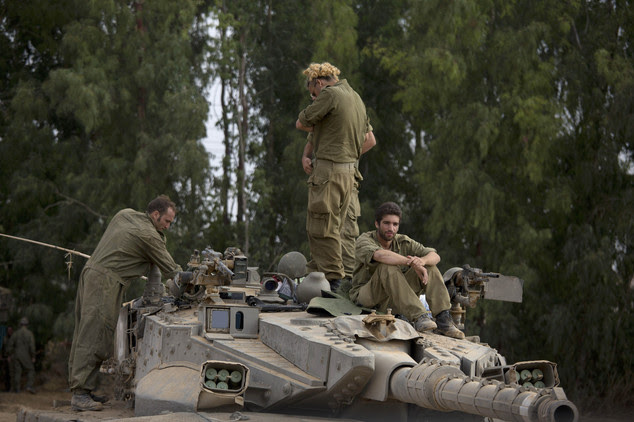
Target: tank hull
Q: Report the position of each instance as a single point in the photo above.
(310, 365)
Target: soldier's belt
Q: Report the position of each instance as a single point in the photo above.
(322, 162)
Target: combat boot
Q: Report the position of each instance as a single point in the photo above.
(100, 399)
(446, 326)
(334, 284)
(83, 402)
(424, 323)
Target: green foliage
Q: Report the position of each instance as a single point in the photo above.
(503, 129)
(335, 37)
(102, 109)
(525, 168)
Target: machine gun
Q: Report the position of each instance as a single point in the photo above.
(213, 274)
(466, 285)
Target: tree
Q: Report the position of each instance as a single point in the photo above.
(102, 109)
(276, 204)
(525, 169)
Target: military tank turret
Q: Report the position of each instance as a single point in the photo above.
(224, 338)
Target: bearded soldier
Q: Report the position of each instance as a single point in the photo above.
(132, 243)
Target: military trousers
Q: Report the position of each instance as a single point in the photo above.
(390, 288)
(329, 191)
(19, 363)
(350, 232)
(99, 297)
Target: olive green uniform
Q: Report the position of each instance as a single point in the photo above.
(350, 230)
(339, 122)
(127, 249)
(383, 286)
(21, 349)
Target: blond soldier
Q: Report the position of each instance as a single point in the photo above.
(350, 229)
(339, 123)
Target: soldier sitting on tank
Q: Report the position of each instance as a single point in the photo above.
(392, 271)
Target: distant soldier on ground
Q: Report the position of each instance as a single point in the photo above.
(130, 245)
(21, 350)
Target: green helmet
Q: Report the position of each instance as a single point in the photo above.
(293, 264)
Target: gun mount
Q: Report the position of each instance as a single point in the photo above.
(213, 346)
(467, 285)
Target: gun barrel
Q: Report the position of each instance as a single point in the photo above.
(224, 269)
(445, 387)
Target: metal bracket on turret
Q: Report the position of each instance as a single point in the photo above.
(380, 320)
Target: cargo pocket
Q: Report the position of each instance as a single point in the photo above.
(318, 194)
(318, 224)
(318, 206)
(350, 226)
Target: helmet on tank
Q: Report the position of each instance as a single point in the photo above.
(450, 273)
(293, 264)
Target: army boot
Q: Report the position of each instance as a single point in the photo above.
(100, 399)
(334, 284)
(446, 326)
(82, 402)
(424, 323)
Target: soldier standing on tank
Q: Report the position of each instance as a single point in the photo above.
(392, 271)
(132, 242)
(350, 230)
(21, 350)
(339, 123)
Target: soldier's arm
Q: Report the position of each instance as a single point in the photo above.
(428, 256)
(157, 254)
(391, 258)
(432, 258)
(300, 126)
(365, 247)
(368, 143)
(315, 112)
(306, 157)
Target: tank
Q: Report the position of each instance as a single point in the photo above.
(225, 338)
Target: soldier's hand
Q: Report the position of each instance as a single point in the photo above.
(417, 264)
(424, 277)
(307, 164)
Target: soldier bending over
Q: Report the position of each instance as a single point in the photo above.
(132, 242)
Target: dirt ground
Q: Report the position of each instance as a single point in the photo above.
(53, 394)
(10, 403)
